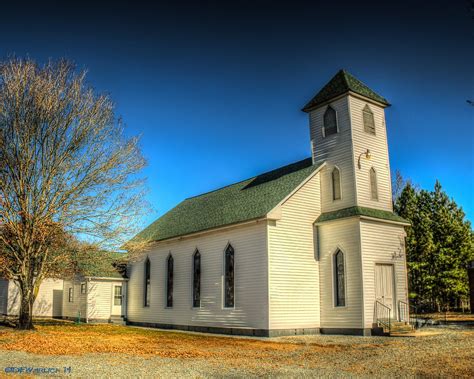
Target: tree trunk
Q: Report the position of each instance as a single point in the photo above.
(25, 319)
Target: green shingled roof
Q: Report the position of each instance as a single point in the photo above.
(104, 264)
(247, 200)
(341, 83)
(360, 211)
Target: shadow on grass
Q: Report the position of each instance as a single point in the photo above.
(12, 322)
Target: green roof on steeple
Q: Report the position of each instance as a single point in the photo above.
(341, 83)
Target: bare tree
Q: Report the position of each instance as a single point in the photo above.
(66, 169)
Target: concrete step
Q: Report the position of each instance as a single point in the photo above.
(399, 323)
(118, 320)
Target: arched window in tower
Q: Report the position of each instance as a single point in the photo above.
(146, 295)
(169, 281)
(229, 277)
(330, 121)
(336, 184)
(374, 195)
(369, 123)
(197, 279)
(339, 280)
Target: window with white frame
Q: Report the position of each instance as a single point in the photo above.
(330, 121)
(374, 195)
(336, 184)
(229, 277)
(368, 118)
(169, 281)
(146, 294)
(339, 279)
(197, 279)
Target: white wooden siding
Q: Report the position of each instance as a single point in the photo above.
(72, 309)
(47, 303)
(344, 235)
(251, 281)
(377, 144)
(336, 150)
(293, 269)
(380, 243)
(99, 298)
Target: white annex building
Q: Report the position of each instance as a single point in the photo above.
(312, 247)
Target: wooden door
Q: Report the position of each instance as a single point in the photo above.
(384, 286)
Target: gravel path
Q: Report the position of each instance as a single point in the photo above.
(435, 352)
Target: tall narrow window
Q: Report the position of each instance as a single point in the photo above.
(339, 284)
(336, 184)
(330, 121)
(146, 297)
(229, 277)
(369, 123)
(117, 295)
(374, 195)
(70, 295)
(169, 282)
(197, 279)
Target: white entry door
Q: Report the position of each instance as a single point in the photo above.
(384, 286)
(117, 299)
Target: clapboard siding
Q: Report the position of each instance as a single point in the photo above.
(343, 235)
(251, 281)
(46, 303)
(78, 305)
(99, 300)
(377, 144)
(293, 269)
(377, 249)
(336, 150)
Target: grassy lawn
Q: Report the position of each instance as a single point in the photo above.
(434, 352)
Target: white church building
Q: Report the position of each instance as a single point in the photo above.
(311, 247)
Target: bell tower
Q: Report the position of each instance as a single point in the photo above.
(348, 132)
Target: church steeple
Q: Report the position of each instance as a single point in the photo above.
(342, 83)
(348, 132)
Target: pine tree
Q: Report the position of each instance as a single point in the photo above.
(439, 246)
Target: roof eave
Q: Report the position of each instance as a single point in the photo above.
(210, 230)
(310, 107)
(362, 217)
(106, 278)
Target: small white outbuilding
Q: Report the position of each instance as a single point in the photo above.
(88, 298)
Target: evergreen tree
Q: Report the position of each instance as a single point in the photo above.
(439, 246)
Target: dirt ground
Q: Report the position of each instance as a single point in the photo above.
(120, 351)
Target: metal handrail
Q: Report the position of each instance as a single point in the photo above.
(383, 321)
(403, 311)
(407, 313)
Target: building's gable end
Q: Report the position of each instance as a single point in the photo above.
(291, 251)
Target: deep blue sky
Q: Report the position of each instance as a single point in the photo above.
(216, 89)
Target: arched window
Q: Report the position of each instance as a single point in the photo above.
(197, 279)
(330, 121)
(146, 295)
(373, 184)
(369, 123)
(169, 282)
(339, 281)
(229, 277)
(336, 184)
